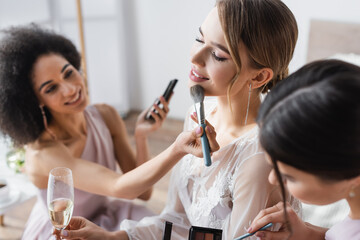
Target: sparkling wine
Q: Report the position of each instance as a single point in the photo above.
(60, 211)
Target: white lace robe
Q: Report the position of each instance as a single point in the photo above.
(227, 195)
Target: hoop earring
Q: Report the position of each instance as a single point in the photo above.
(248, 104)
(45, 123)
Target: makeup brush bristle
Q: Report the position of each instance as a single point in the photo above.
(197, 93)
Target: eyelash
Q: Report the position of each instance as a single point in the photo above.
(219, 59)
(53, 87)
(50, 89)
(68, 74)
(199, 40)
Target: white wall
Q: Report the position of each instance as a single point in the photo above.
(305, 10)
(165, 32)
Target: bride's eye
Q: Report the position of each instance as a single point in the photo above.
(220, 59)
(199, 40)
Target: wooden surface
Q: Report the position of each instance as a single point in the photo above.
(15, 220)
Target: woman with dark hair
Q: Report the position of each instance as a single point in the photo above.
(310, 129)
(44, 107)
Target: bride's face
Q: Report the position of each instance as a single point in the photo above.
(212, 66)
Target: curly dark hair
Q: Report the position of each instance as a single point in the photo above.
(20, 47)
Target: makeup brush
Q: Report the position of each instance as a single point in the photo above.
(250, 234)
(197, 94)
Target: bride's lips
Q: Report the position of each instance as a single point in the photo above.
(196, 77)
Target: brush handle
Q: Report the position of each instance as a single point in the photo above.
(205, 147)
(250, 234)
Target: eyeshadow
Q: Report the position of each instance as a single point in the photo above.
(199, 236)
(209, 236)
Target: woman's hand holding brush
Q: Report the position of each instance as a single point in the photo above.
(190, 142)
(275, 214)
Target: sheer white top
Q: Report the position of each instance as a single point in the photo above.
(227, 195)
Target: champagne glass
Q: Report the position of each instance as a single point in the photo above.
(60, 197)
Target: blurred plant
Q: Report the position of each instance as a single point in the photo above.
(15, 159)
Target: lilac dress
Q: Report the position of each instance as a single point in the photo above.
(103, 211)
(348, 229)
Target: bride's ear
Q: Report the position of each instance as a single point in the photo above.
(262, 77)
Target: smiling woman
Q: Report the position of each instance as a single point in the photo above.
(58, 85)
(44, 106)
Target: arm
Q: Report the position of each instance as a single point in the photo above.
(150, 228)
(124, 153)
(252, 192)
(94, 178)
(299, 230)
(143, 129)
(122, 147)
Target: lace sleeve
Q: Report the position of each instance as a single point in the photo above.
(252, 192)
(151, 228)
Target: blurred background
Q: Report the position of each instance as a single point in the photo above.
(134, 47)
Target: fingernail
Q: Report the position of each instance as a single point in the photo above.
(209, 129)
(64, 233)
(249, 229)
(195, 114)
(198, 130)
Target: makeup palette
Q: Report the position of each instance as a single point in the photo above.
(201, 233)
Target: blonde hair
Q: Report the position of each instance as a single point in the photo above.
(267, 29)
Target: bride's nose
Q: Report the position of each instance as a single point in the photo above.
(197, 56)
